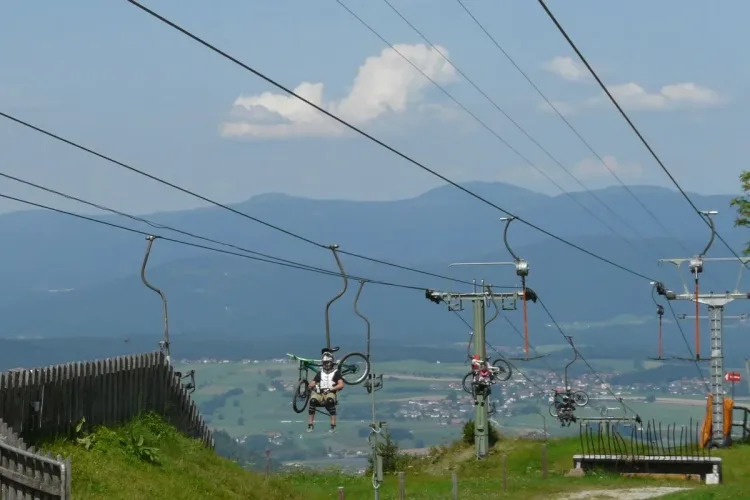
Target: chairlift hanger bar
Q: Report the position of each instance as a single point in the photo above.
(164, 344)
(333, 249)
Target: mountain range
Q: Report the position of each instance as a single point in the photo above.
(64, 277)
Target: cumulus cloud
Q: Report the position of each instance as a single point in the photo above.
(592, 167)
(568, 69)
(384, 83)
(633, 96)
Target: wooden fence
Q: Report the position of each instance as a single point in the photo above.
(52, 400)
(26, 473)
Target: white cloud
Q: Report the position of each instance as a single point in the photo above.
(563, 107)
(592, 167)
(633, 96)
(384, 83)
(567, 68)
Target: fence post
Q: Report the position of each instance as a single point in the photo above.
(341, 493)
(544, 460)
(454, 479)
(401, 486)
(505, 472)
(268, 461)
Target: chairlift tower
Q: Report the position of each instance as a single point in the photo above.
(715, 303)
(480, 302)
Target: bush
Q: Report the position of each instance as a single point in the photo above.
(394, 460)
(468, 434)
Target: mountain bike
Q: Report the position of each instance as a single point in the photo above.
(354, 368)
(563, 399)
(500, 371)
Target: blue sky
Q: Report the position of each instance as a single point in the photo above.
(106, 74)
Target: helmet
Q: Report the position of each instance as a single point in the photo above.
(327, 361)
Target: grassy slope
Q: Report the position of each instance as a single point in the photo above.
(110, 470)
(187, 471)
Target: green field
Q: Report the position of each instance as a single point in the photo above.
(148, 459)
(259, 410)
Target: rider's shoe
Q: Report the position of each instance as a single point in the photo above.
(309, 427)
(332, 429)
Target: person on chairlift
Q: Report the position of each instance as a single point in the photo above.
(475, 363)
(482, 381)
(324, 386)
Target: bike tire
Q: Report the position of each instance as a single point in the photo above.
(505, 370)
(301, 396)
(580, 398)
(468, 382)
(553, 410)
(354, 356)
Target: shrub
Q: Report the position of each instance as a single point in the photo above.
(468, 433)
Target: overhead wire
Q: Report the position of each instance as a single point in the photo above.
(374, 139)
(690, 349)
(585, 361)
(484, 124)
(544, 358)
(278, 261)
(216, 203)
(513, 366)
(520, 128)
(637, 132)
(569, 125)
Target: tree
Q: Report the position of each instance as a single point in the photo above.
(650, 398)
(393, 459)
(742, 203)
(468, 434)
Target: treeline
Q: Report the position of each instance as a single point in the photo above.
(219, 401)
(244, 455)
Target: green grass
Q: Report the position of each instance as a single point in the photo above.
(185, 470)
(116, 467)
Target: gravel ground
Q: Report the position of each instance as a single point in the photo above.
(629, 494)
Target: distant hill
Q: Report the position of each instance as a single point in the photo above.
(93, 270)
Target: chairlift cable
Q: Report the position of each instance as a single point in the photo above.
(582, 358)
(568, 124)
(637, 132)
(492, 131)
(216, 203)
(370, 137)
(278, 262)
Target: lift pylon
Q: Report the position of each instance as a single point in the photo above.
(716, 303)
(479, 301)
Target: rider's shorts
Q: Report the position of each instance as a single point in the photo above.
(323, 399)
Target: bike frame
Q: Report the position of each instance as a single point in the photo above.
(307, 365)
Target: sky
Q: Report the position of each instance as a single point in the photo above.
(109, 76)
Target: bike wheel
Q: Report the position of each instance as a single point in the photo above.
(553, 410)
(354, 368)
(301, 396)
(504, 370)
(580, 398)
(468, 382)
